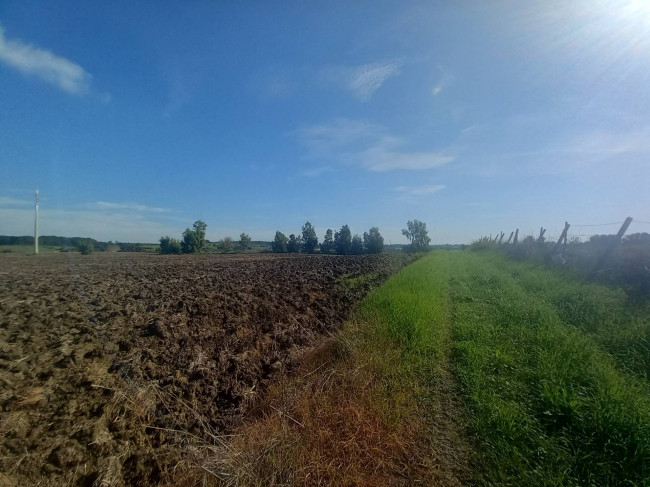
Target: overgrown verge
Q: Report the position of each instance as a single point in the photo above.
(377, 405)
(547, 401)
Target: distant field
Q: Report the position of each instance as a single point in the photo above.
(27, 249)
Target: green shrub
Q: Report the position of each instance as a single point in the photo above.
(85, 248)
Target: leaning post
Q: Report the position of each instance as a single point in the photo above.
(614, 244)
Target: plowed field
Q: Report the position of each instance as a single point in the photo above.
(113, 367)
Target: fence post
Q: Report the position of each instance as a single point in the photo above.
(562, 237)
(542, 231)
(510, 237)
(614, 244)
(516, 237)
(501, 237)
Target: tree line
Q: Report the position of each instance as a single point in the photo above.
(193, 241)
(340, 242)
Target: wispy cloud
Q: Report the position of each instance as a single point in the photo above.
(277, 82)
(362, 81)
(7, 201)
(445, 80)
(43, 64)
(419, 190)
(366, 145)
(131, 222)
(121, 226)
(106, 205)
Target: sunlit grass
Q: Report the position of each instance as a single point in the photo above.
(548, 403)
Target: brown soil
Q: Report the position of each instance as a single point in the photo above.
(116, 368)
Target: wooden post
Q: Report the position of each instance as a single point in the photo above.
(617, 240)
(510, 238)
(542, 231)
(563, 236)
(501, 238)
(516, 237)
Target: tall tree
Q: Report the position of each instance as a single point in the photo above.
(356, 246)
(416, 232)
(194, 239)
(279, 242)
(294, 244)
(188, 242)
(244, 242)
(373, 241)
(343, 240)
(309, 238)
(327, 247)
(199, 234)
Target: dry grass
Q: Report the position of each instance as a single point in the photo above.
(325, 424)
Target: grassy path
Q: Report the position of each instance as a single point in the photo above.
(464, 369)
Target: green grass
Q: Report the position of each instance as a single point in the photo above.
(27, 249)
(553, 370)
(539, 373)
(409, 309)
(547, 401)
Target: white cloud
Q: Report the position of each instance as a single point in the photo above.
(362, 81)
(419, 190)
(105, 205)
(102, 220)
(12, 202)
(123, 227)
(366, 145)
(43, 64)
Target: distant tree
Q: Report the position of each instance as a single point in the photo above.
(188, 242)
(130, 247)
(373, 241)
(227, 244)
(294, 244)
(199, 234)
(169, 245)
(194, 239)
(244, 242)
(356, 246)
(279, 243)
(309, 238)
(343, 240)
(327, 246)
(416, 232)
(85, 247)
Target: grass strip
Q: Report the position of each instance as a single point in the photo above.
(377, 405)
(547, 401)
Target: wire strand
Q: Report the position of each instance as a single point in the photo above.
(599, 224)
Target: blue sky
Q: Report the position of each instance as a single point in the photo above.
(135, 119)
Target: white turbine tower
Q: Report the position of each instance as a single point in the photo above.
(36, 225)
